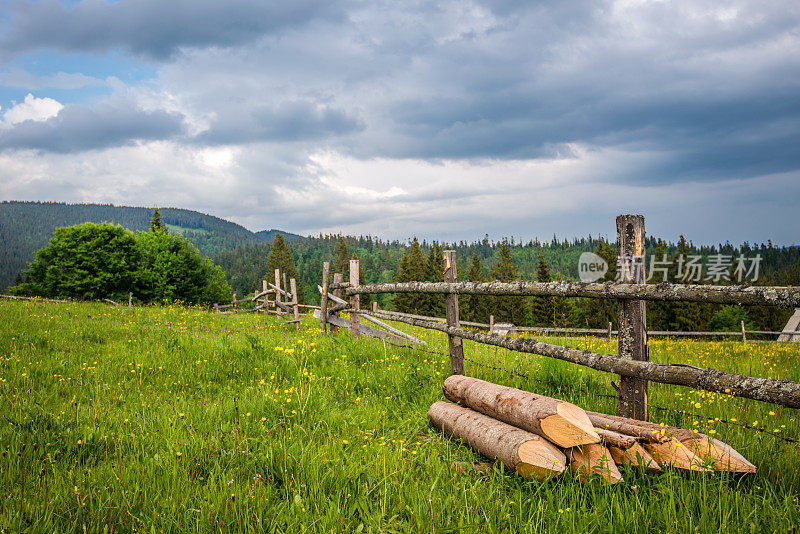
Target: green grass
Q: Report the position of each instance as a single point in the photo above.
(173, 419)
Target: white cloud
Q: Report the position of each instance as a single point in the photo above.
(33, 109)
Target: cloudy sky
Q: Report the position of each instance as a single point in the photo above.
(443, 120)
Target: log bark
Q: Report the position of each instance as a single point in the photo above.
(563, 423)
(643, 430)
(635, 456)
(782, 392)
(784, 297)
(522, 452)
(593, 459)
(620, 441)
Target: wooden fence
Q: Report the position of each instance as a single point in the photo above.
(632, 361)
(283, 303)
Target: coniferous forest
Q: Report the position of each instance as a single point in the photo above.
(247, 258)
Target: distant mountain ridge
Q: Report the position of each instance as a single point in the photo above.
(26, 227)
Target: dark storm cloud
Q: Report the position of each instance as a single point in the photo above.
(287, 122)
(79, 128)
(153, 28)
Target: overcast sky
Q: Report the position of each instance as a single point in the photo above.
(444, 120)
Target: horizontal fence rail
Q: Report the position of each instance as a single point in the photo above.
(781, 392)
(784, 297)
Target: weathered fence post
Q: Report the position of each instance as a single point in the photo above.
(374, 305)
(295, 308)
(451, 307)
(337, 279)
(234, 303)
(323, 303)
(216, 308)
(130, 298)
(491, 324)
(744, 335)
(632, 401)
(278, 299)
(264, 288)
(354, 300)
(609, 331)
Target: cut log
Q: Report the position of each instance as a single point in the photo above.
(643, 430)
(675, 454)
(521, 451)
(719, 454)
(593, 458)
(635, 456)
(563, 423)
(620, 441)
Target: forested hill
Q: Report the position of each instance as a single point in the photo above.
(26, 227)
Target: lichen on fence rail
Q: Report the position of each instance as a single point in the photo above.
(785, 297)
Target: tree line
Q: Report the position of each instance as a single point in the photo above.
(387, 261)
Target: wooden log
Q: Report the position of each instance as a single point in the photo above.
(563, 423)
(620, 441)
(608, 336)
(455, 344)
(295, 309)
(130, 298)
(390, 328)
(782, 392)
(324, 299)
(491, 324)
(640, 429)
(784, 297)
(278, 291)
(593, 459)
(522, 452)
(632, 337)
(674, 454)
(354, 300)
(366, 330)
(744, 334)
(337, 280)
(264, 291)
(636, 456)
(719, 454)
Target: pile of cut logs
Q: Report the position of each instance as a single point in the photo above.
(540, 437)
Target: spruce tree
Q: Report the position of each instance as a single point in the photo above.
(506, 309)
(156, 223)
(434, 305)
(603, 311)
(542, 309)
(341, 262)
(473, 307)
(412, 269)
(280, 257)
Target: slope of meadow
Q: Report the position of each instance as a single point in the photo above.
(175, 419)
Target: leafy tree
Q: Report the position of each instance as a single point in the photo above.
(280, 257)
(412, 269)
(89, 261)
(729, 319)
(506, 309)
(172, 270)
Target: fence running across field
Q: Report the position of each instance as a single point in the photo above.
(632, 361)
(284, 301)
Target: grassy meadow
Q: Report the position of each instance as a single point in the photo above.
(169, 419)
